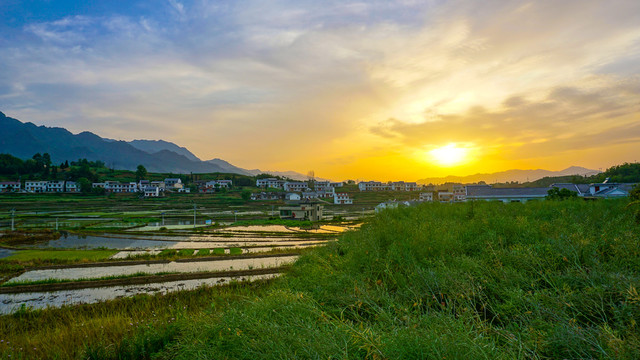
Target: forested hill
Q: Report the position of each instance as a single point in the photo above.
(25, 139)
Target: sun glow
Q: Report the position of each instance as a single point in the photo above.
(449, 155)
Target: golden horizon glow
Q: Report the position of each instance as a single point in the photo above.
(449, 155)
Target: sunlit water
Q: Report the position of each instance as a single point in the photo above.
(158, 243)
(39, 300)
(173, 267)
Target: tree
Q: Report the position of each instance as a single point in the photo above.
(634, 194)
(246, 195)
(84, 184)
(141, 173)
(560, 194)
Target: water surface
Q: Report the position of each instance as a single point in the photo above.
(173, 267)
(40, 300)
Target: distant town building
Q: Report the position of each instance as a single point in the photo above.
(322, 185)
(71, 187)
(172, 182)
(445, 196)
(306, 210)
(219, 184)
(459, 193)
(295, 186)
(268, 196)
(426, 196)
(270, 183)
(372, 186)
(292, 197)
(392, 186)
(342, 199)
(10, 186)
(151, 191)
(35, 186)
(488, 193)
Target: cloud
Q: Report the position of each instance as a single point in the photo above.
(334, 80)
(567, 119)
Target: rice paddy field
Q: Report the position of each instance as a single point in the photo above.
(541, 280)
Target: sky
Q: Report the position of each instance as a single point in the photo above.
(375, 90)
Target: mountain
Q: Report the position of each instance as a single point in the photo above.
(510, 175)
(154, 146)
(25, 139)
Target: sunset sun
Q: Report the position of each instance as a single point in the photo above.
(449, 155)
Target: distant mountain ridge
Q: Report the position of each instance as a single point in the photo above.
(23, 140)
(510, 175)
(154, 146)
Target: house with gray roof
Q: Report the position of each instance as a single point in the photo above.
(610, 190)
(581, 189)
(489, 193)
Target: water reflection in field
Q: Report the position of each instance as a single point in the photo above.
(77, 273)
(73, 241)
(39, 300)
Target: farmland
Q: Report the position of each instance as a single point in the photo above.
(476, 280)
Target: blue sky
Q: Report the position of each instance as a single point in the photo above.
(348, 88)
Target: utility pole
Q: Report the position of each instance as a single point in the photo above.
(56, 224)
(13, 214)
(162, 219)
(194, 215)
(235, 215)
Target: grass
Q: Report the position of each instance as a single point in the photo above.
(203, 252)
(136, 326)
(59, 256)
(60, 281)
(539, 280)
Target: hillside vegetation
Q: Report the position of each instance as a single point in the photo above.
(539, 280)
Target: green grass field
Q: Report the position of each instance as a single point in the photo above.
(60, 255)
(501, 281)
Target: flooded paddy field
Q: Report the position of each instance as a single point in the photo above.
(155, 242)
(116, 270)
(40, 300)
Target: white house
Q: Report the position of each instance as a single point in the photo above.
(118, 187)
(71, 186)
(55, 186)
(459, 193)
(159, 184)
(295, 186)
(270, 183)
(151, 191)
(426, 196)
(403, 186)
(171, 182)
(372, 186)
(35, 186)
(219, 184)
(610, 190)
(7, 186)
(292, 197)
(322, 185)
(342, 198)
